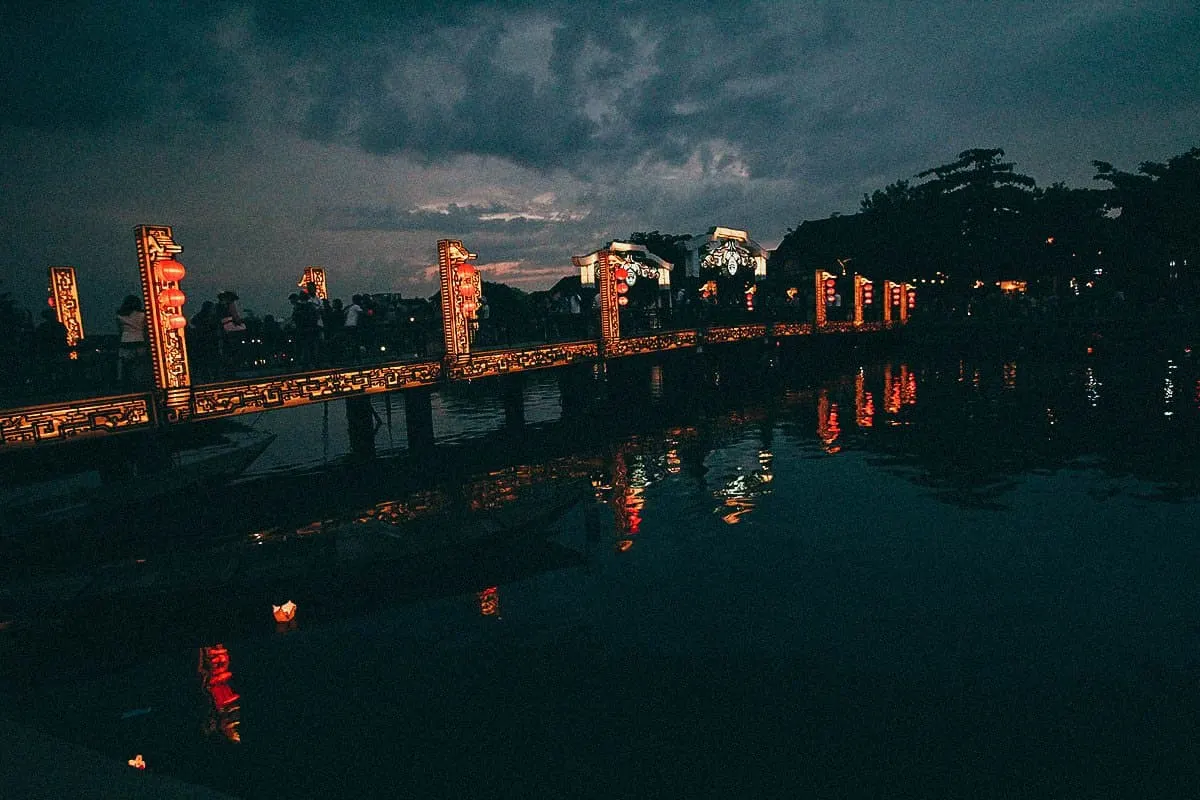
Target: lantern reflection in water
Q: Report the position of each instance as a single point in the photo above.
(224, 713)
(1092, 388)
(489, 602)
(739, 496)
(1010, 375)
(828, 425)
(630, 479)
(908, 384)
(864, 402)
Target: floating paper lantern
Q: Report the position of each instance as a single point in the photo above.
(137, 762)
(285, 612)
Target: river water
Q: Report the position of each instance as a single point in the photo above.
(888, 577)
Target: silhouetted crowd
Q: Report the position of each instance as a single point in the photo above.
(317, 332)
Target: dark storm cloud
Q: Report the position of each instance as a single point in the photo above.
(84, 65)
(284, 132)
(592, 90)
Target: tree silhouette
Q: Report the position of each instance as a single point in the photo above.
(1157, 211)
(669, 247)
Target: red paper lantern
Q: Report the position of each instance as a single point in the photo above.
(620, 273)
(170, 270)
(868, 294)
(465, 270)
(177, 321)
(469, 306)
(622, 288)
(622, 300)
(172, 298)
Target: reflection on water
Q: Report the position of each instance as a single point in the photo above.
(489, 602)
(1092, 387)
(224, 704)
(987, 534)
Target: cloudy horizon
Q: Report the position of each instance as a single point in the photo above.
(276, 135)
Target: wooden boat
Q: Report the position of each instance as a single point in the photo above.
(97, 488)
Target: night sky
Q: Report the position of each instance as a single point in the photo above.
(353, 135)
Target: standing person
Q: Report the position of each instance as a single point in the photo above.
(306, 319)
(204, 341)
(51, 350)
(350, 325)
(484, 315)
(133, 353)
(233, 327)
(575, 310)
(333, 316)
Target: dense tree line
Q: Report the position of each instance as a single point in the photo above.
(977, 220)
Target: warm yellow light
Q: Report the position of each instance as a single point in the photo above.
(285, 612)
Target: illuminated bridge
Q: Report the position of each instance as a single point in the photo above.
(612, 270)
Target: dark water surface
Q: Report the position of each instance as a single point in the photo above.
(918, 578)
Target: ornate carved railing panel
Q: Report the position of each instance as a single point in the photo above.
(500, 362)
(792, 329)
(734, 333)
(57, 422)
(221, 400)
(657, 343)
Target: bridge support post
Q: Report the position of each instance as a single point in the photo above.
(418, 418)
(360, 423)
(574, 386)
(513, 388)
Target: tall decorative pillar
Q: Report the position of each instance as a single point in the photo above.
(891, 295)
(826, 293)
(613, 270)
(860, 298)
(165, 323)
(461, 287)
(908, 300)
(315, 276)
(64, 295)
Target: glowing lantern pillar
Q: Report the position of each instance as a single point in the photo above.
(461, 288)
(908, 300)
(315, 275)
(824, 295)
(890, 289)
(64, 296)
(602, 267)
(165, 322)
(863, 296)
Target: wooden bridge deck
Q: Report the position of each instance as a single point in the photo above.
(70, 420)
